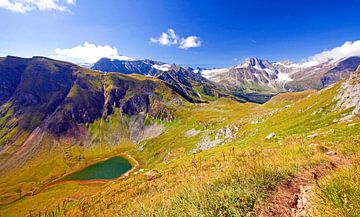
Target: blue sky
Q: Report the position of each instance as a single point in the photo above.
(224, 32)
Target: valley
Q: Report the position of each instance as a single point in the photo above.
(158, 108)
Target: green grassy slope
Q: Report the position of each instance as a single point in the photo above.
(184, 176)
(208, 159)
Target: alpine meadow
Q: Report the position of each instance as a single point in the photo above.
(218, 108)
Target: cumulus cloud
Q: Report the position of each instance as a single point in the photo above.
(171, 38)
(189, 42)
(348, 49)
(23, 6)
(88, 53)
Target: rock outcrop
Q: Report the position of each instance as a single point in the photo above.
(349, 94)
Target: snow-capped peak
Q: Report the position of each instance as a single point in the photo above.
(250, 62)
(256, 63)
(122, 58)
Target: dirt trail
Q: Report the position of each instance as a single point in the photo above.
(292, 197)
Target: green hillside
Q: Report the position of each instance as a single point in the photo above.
(221, 158)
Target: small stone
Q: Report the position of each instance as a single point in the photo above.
(271, 135)
(151, 175)
(312, 136)
(347, 118)
(331, 153)
(192, 132)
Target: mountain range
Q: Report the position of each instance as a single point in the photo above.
(255, 74)
(253, 80)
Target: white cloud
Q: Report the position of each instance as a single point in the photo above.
(171, 38)
(71, 2)
(23, 6)
(190, 42)
(348, 49)
(166, 38)
(87, 53)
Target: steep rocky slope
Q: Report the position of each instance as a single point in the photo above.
(58, 98)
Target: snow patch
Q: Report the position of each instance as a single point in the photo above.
(284, 77)
(270, 71)
(164, 67)
(207, 73)
(258, 68)
(123, 58)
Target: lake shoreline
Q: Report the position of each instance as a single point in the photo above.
(134, 163)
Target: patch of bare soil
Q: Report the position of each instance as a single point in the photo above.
(292, 198)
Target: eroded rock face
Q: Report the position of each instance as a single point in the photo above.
(113, 99)
(11, 69)
(139, 131)
(349, 94)
(83, 104)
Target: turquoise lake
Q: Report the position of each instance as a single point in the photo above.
(104, 170)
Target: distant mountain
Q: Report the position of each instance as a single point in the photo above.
(142, 67)
(261, 76)
(185, 80)
(254, 80)
(252, 75)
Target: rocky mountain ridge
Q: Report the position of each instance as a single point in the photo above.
(260, 75)
(254, 80)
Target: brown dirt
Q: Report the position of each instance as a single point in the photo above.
(291, 198)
